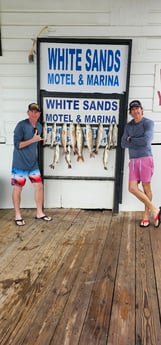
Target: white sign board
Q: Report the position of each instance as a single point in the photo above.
(77, 67)
(80, 110)
(83, 86)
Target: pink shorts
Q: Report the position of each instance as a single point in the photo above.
(141, 169)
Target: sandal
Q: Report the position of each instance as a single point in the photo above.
(19, 222)
(144, 223)
(157, 219)
(45, 218)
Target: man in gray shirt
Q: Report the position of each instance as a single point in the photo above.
(137, 137)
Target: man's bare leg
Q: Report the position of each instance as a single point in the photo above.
(140, 195)
(16, 199)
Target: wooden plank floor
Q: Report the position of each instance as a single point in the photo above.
(86, 278)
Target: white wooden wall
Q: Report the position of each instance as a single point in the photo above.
(21, 21)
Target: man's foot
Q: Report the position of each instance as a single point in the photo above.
(45, 218)
(144, 223)
(19, 222)
(157, 219)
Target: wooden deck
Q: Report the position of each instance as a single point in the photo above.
(85, 278)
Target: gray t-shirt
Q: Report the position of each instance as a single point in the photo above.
(141, 134)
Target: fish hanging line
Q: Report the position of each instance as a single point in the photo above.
(32, 51)
(111, 136)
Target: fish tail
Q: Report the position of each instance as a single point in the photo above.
(92, 154)
(80, 158)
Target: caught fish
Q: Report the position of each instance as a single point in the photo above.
(80, 142)
(53, 134)
(109, 136)
(68, 157)
(105, 156)
(64, 137)
(55, 157)
(114, 135)
(99, 137)
(45, 133)
(73, 137)
(89, 138)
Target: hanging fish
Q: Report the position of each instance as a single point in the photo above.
(89, 139)
(68, 157)
(99, 137)
(105, 156)
(73, 137)
(80, 142)
(109, 136)
(53, 134)
(55, 157)
(64, 137)
(114, 135)
(45, 133)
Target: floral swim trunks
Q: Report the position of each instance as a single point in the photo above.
(19, 176)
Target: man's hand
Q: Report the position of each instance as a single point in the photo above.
(36, 137)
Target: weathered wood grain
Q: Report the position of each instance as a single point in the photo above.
(86, 278)
(122, 322)
(147, 308)
(97, 320)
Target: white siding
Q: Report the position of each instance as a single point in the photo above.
(20, 23)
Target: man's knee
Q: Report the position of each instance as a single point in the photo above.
(132, 189)
(38, 186)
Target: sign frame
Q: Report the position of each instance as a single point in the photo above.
(81, 45)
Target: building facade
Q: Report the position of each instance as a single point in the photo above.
(22, 22)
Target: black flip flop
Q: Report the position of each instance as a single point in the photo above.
(44, 218)
(19, 222)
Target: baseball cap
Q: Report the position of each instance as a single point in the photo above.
(33, 106)
(135, 103)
